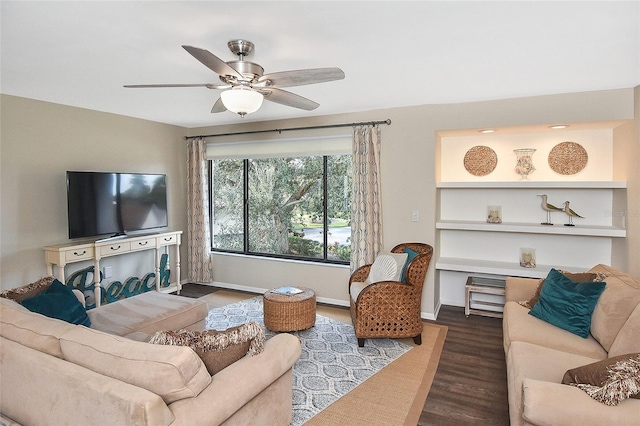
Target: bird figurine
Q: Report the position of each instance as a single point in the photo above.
(571, 214)
(548, 208)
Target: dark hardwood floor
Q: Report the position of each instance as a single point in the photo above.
(470, 385)
(196, 290)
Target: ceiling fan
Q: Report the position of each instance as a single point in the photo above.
(245, 86)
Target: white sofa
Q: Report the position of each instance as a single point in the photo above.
(538, 354)
(54, 372)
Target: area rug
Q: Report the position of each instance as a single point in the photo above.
(396, 394)
(331, 364)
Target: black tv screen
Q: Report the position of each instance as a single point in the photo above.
(101, 203)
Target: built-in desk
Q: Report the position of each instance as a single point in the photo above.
(63, 254)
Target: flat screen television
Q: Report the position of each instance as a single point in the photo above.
(113, 204)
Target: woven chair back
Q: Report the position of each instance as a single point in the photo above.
(417, 269)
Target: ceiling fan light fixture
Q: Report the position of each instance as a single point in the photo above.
(242, 100)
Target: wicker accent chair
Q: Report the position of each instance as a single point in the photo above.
(391, 309)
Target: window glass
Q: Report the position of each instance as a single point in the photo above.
(227, 205)
(285, 195)
(296, 207)
(339, 207)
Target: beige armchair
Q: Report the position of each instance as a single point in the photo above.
(390, 309)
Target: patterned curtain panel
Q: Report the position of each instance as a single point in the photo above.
(200, 266)
(366, 207)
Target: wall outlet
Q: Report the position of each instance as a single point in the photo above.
(415, 217)
(107, 272)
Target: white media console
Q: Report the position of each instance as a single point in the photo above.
(63, 254)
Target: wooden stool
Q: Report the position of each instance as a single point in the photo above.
(289, 312)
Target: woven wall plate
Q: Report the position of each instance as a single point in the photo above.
(568, 158)
(480, 160)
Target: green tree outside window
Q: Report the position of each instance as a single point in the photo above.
(294, 207)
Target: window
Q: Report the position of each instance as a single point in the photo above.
(295, 207)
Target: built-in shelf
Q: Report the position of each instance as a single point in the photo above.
(532, 228)
(536, 184)
(466, 245)
(493, 267)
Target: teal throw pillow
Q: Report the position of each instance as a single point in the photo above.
(411, 254)
(567, 304)
(58, 301)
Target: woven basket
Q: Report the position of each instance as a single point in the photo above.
(289, 313)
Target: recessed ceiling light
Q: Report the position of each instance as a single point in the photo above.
(559, 126)
(487, 131)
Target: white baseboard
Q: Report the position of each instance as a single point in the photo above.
(259, 290)
(327, 300)
(248, 289)
(434, 316)
(335, 302)
(452, 303)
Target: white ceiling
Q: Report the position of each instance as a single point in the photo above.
(394, 54)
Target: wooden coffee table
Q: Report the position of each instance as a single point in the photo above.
(289, 312)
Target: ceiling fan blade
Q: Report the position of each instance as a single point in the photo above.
(211, 61)
(287, 98)
(303, 77)
(147, 86)
(218, 106)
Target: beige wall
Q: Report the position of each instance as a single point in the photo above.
(41, 141)
(633, 252)
(626, 159)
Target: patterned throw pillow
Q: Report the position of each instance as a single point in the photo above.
(609, 381)
(26, 291)
(217, 349)
(386, 267)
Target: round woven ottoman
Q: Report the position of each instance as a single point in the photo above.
(284, 312)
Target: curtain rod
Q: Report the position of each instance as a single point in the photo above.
(328, 126)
